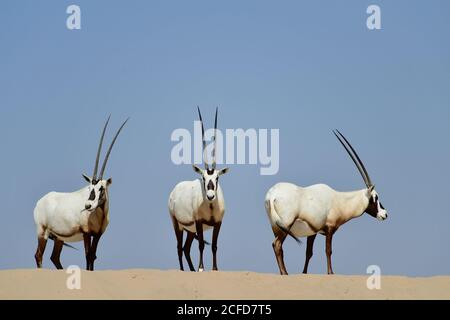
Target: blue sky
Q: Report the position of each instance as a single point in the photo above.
(304, 67)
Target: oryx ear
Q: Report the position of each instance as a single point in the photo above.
(223, 171)
(89, 180)
(197, 169)
(109, 182)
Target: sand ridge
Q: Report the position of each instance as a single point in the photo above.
(176, 285)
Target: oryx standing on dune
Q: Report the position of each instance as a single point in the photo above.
(198, 205)
(76, 216)
(304, 212)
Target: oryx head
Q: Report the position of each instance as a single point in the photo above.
(98, 187)
(374, 208)
(210, 175)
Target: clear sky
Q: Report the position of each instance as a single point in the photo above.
(304, 67)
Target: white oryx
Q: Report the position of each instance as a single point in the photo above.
(196, 206)
(304, 212)
(76, 216)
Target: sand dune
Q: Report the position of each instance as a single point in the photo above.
(152, 284)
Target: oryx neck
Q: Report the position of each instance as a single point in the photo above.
(352, 204)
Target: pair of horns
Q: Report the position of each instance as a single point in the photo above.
(205, 156)
(352, 153)
(102, 171)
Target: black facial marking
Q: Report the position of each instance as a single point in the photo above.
(210, 185)
(92, 196)
(210, 172)
(102, 196)
(372, 208)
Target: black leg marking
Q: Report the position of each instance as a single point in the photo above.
(179, 236)
(93, 252)
(187, 250)
(56, 254)
(214, 244)
(42, 242)
(201, 244)
(87, 249)
(277, 245)
(309, 252)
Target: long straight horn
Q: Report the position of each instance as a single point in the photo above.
(205, 156)
(359, 164)
(110, 149)
(215, 141)
(94, 175)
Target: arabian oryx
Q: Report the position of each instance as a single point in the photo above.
(198, 205)
(304, 212)
(76, 216)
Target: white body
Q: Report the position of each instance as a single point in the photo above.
(64, 216)
(188, 203)
(313, 209)
(305, 212)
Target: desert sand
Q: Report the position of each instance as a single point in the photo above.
(153, 284)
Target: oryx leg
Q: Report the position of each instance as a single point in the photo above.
(329, 249)
(187, 249)
(87, 249)
(93, 253)
(201, 244)
(214, 244)
(42, 242)
(179, 235)
(56, 254)
(309, 252)
(277, 245)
